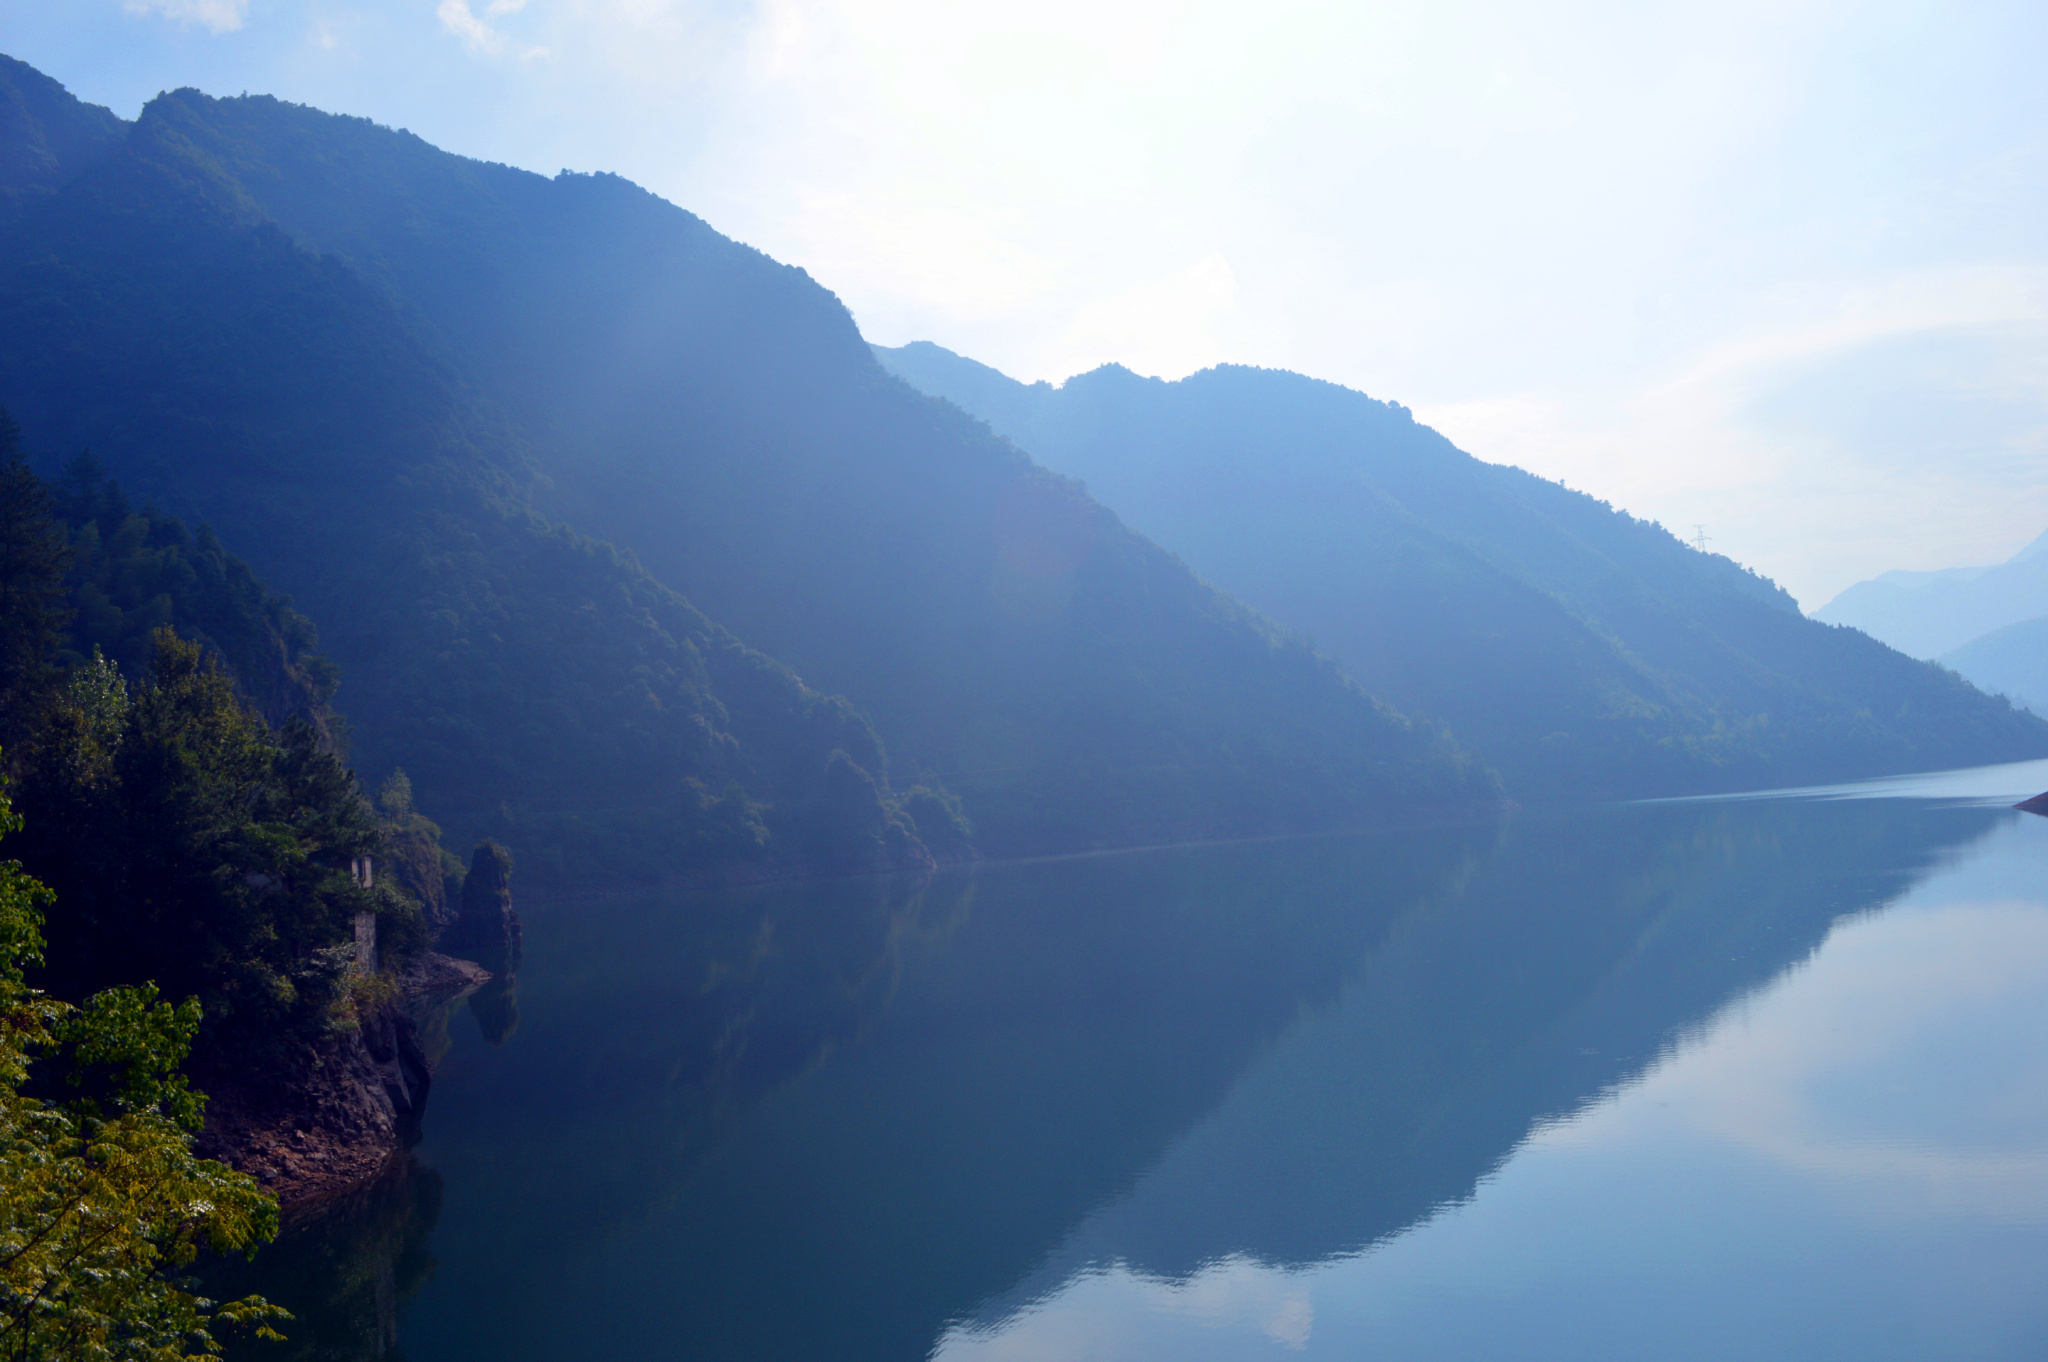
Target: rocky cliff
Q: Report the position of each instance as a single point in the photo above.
(353, 1102)
(355, 1098)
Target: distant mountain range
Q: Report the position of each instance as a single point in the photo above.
(1583, 652)
(2012, 662)
(1929, 614)
(1988, 623)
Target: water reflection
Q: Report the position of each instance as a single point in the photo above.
(345, 1269)
(1849, 1163)
(1581, 952)
(840, 1120)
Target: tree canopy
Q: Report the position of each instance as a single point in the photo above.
(102, 1202)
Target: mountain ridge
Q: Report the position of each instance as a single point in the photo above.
(1584, 652)
(1931, 614)
(386, 373)
(532, 679)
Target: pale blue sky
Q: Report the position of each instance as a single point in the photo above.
(1778, 267)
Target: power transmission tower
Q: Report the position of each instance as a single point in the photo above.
(1699, 539)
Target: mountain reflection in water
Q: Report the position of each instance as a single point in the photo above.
(839, 1119)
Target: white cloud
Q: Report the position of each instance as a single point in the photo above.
(222, 16)
(1118, 1312)
(476, 35)
(479, 37)
(1805, 1074)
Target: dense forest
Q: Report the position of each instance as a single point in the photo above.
(394, 378)
(1583, 652)
(167, 736)
(103, 1205)
(187, 887)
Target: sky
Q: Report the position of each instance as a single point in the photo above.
(1778, 269)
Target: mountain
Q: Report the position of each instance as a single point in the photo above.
(2012, 662)
(133, 571)
(410, 388)
(1583, 652)
(46, 136)
(1927, 614)
(539, 685)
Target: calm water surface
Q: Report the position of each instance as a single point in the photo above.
(1762, 1078)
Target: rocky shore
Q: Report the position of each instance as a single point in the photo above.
(358, 1102)
(355, 1097)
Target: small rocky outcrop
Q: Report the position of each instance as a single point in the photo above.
(351, 1101)
(355, 1097)
(486, 928)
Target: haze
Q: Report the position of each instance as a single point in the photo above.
(1778, 269)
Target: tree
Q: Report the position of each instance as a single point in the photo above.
(196, 846)
(34, 556)
(101, 1198)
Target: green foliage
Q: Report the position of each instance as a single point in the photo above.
(33, 563)
(194, 842)
(134, 572)
(101, 1199)
(195, 846)
(413, 858)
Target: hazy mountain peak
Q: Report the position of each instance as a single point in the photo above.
(1934, 613)
(2034, 549)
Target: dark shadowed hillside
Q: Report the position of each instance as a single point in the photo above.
(46, 136)
(1582, 651)
(135, 570)
(369, 363)
(539, 685)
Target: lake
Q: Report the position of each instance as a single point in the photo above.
(1756, 1078)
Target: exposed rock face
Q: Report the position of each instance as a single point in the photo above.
(353, 1100)
(435, 981)
(412, 855)
(412, 858)
(486, 929)
(356, 1097)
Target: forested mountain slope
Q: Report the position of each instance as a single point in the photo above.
(46, 136)
(1582, 651)
(367, 362)
(538, 685)
(135, 570)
